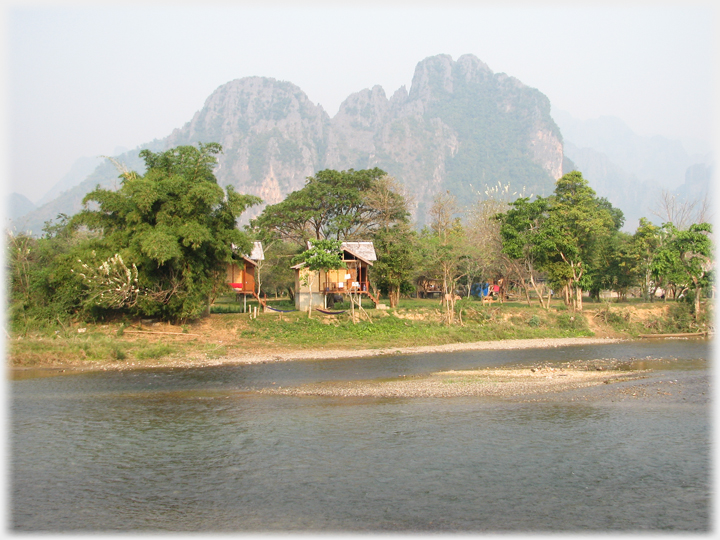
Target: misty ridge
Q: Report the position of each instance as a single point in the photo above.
(460, 128)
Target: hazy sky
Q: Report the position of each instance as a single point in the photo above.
(82, 80)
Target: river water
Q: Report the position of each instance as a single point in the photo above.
(198, 450)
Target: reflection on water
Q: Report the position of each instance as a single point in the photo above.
(193, 450)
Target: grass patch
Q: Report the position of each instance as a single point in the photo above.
(61, 349)
(155, 351)
(415, 322)
(211, 350)
(406, 327)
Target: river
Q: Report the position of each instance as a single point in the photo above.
(198, 450)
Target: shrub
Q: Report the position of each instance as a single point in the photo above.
(571, 321)
(118, 353)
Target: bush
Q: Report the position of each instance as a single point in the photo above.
(118, 353)
(571, 321)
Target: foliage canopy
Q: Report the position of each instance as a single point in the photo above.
(175, 224)
(340, 205)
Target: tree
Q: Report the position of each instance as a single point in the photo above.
(396, 257)
(323, 255)
(443, 249)
(344, 205)
(278, 276)
(681, 212)
(21, 251)
(576, 225)
(43, 286)
(615, 267)
(175, 224)
(686, 258)
(520, 230)
(386, 204)
(484, 241)
(393, 239)
(644, 245)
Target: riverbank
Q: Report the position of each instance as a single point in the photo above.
(649, 380)
(274, 354)
(223, 339)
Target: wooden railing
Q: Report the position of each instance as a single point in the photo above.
(347, 286)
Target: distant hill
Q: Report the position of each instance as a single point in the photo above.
(18, 205)
(461, 127)
(653, 158)
(69, 202)
(630, 170)
(79, 170)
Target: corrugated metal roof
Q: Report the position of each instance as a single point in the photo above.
(256, 254)
(362, 250)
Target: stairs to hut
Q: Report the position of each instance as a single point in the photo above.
(375, 300)
(262, 302)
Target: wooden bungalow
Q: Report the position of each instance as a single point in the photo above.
(241, 272)
(358, 258)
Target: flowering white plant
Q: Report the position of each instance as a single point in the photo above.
(112, 284)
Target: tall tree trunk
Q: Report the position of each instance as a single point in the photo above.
(527, 294)
(394, 295)
(578, 299)
(539, 294)
(698, 293)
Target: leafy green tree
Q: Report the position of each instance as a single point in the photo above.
(344, 205)
(645, 243)
(578, 223)
(520, 229)
(175, 224)
(685, 258)
(614, 267)
(43, 288)
(568, 236)
(21, 250)
(394, 267)
(323, 255)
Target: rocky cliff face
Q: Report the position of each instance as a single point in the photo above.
(272, 136)
(459, 128)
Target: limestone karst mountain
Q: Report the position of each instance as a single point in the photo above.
(460, 128)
